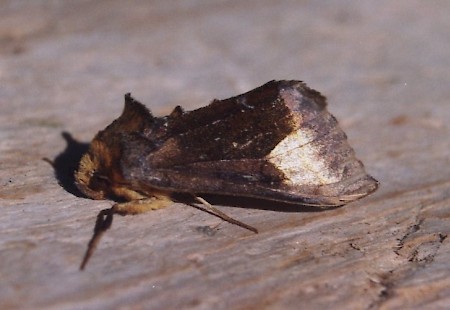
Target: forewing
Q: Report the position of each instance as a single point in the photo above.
(276, 142)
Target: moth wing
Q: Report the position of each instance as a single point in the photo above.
(275, 142)
(249, 178)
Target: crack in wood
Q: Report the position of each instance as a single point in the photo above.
(419, 249)
(411, 230)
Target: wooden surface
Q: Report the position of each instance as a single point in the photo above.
(384, 66)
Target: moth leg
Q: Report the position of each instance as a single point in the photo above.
(105, 217)
(140, 206)
(103, 223)
(210, 209)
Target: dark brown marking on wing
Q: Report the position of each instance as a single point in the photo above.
(247, 126)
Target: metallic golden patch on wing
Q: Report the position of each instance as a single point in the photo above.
(301, 162)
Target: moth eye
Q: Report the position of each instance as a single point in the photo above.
(98, 182)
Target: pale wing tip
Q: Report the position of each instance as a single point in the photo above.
(365, 186)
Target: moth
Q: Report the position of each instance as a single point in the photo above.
(276, 142)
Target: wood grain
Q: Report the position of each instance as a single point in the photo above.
(64, 68)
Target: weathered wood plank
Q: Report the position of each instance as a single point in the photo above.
(65, 67)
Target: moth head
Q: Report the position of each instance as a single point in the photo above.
(99, 172)
(93, 175)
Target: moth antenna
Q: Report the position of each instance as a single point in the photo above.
(49, 161)
(209, 208)
(103, 223)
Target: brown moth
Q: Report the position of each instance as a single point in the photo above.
(276, 142)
